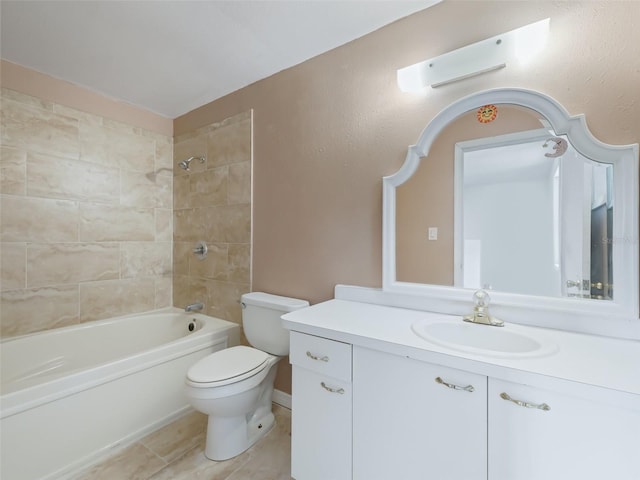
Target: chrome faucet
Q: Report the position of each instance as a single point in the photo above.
(481, 311)
(194, 307)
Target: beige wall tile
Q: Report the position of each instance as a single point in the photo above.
(223, 300)
(182, 252)
(164, 152)
(164, 295)
(145, 259)
(84, 117)
(181, 192)
(215, 266)
(187, 290)
(191, 147)
(164, 225)
(54, 177)
(146, 189)
(116, 148)
(164, 190)
(13, 266)
(208, 188)
(239, 267)
(103, 223)
(239, 183)
(27, 99)
(190, 225)
(56, 306)
(214, 206)
(229, 144)
(60, 263)
(230, 224)
(13, 171)
(121, 127)
(27, 219)
(113, 298)
(68, 176)
(26, 126)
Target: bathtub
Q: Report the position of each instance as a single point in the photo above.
(72, 395)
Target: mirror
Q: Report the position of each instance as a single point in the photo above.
(505, 191)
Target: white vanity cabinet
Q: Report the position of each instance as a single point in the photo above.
(542, 433)
(414, 420)
(321, 421)
(372, 401)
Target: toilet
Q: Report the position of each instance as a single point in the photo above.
(234, 386)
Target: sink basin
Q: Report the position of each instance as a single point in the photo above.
(507, 341)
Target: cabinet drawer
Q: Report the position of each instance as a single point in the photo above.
(321, 355)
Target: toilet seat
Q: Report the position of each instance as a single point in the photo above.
(227, 366)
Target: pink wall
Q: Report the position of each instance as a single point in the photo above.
(327, 130)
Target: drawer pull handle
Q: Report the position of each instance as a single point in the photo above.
(520, 403)
(315, 357)
(332, 390)
(468, 388)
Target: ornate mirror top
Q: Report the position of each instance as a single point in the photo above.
(506, 191)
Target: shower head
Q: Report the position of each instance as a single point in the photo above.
(185, 163)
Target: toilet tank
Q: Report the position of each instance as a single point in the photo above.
(261, 321)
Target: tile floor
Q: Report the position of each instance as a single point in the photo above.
(175, 452)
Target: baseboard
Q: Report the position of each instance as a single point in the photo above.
(282, 399)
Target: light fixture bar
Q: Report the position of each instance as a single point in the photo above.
(481, 57)
(469, 75)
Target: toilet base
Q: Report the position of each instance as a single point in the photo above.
(229, 437)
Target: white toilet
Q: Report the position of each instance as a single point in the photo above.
(234, 386)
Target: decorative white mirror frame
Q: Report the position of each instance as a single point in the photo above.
(616, 318)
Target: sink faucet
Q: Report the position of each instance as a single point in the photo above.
(194, 307)
(481, 311)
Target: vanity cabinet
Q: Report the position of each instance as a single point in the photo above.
(410, 419)
(380, 408)
(414, 420)
(321, 420)
(541, 433)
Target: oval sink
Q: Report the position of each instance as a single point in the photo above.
(507, 341)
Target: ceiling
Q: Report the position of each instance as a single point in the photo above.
(171, 56)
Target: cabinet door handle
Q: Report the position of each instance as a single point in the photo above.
(315, 357)
(468, 388)
(332, 390)
(520, 403)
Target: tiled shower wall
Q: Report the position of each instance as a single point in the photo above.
(212, 203)
(86, 216)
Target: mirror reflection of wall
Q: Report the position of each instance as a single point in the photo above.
(517, 209)
(427, 198)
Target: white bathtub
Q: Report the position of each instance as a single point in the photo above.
(71, 395)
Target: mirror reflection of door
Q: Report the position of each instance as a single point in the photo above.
(532, 219)
(506, 238)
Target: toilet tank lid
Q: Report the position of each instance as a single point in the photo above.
(276, 302)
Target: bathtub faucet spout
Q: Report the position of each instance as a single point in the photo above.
(194, 307)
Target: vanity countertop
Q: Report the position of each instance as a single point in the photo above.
(587, 360)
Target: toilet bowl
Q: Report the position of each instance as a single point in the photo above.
(234, 386)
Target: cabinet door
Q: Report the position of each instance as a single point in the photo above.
(320, 427)
(574, 438)
(408, 425)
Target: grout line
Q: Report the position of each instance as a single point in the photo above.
(165, 463)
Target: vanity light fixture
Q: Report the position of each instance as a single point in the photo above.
(494, 53)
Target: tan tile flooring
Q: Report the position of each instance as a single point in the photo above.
(175, 452)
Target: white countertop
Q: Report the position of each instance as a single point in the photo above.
(587, 360)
